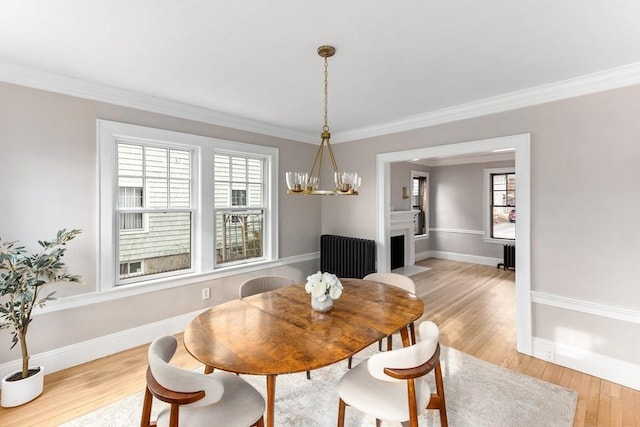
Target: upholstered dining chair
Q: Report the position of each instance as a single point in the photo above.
(392, 386)
(257, 285)
(399, 281)
(195, 399)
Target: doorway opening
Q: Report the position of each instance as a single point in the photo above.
(520, 143)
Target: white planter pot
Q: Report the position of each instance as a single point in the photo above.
(16, 393)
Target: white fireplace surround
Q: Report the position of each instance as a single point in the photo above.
(401, 224)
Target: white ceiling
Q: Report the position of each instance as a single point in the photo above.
(257, 60)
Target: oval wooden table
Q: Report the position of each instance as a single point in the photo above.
(277, 332)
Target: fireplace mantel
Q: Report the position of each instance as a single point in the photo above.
(401, 223)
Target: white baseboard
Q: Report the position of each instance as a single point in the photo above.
(607, 368)
(423, 255)
(76, 354)
(454, 256)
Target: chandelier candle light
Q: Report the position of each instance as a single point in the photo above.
(347, 183)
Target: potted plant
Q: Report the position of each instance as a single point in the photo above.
(22, 277)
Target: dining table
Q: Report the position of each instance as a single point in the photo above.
(277, 332)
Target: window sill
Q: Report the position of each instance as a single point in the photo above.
(111, 294)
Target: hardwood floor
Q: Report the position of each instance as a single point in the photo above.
(474, 306)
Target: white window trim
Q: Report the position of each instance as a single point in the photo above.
(415, 174)
(108, 133)
(487, 203)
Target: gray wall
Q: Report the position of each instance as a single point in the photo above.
(400, 176)
(48, 171)
(456, 201)
(585, 206)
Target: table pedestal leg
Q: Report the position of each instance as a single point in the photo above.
(271, 397)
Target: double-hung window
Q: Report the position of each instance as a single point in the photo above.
(239, 207)
(175, 204)
(163, 174)
(500, 204)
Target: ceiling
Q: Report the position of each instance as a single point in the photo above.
(256, 61)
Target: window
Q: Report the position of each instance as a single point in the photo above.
(501, 208)
(174, 204)
(420, 202)
(130, 197)
(128, 269)
(164, 174)
(239, 207)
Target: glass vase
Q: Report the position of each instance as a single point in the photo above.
(322, 306)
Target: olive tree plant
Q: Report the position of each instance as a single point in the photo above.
(22, 277)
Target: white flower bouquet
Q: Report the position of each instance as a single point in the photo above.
(322, 285)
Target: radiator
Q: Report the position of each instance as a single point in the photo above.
(509, 257)
(347, 256)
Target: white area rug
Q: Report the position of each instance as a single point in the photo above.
(478, 394)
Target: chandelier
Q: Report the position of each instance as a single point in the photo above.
(346, 183)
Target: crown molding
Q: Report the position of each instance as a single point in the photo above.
(24, 76)
(626, 75)
(614, 78)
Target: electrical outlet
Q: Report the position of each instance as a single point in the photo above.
(546, 351)
(550, 355)
(205, 293)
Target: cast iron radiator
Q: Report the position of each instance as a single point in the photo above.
(509, 257)
(347, 256)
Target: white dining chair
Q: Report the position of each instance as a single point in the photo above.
(196, 399)
(399, 281)
(391, 386)
(260, 284)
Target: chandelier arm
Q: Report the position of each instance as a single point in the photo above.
(315, 161)
(333, 159)
(320, 162)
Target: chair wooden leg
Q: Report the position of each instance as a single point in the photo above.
(413, 405)
(208, 369)
(378, 422)
(174, 415)
(260, 422)
(412, 332)
(308, 375)
(341, 407)
(379, 345)
(440, 390)
(437, 399)
(145, 420)
(349, 363)
(389, 343)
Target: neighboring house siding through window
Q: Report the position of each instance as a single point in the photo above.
(164, 175)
